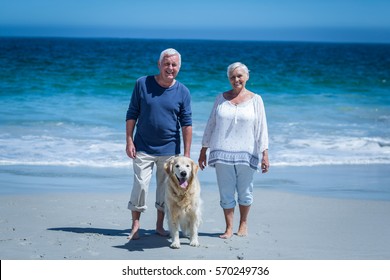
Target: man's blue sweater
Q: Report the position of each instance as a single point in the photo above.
(160, 113)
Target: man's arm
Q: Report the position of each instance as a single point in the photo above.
(130, 148)
(187, 139)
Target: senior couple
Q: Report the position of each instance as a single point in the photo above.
(236, 134)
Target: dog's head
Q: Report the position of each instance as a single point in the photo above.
(182, 169)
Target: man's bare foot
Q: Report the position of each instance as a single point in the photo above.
(134, 231)
(133, 236)
(162, 232)
(242, 229)
(228, 233)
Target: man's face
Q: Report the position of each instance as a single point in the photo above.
(169, 67)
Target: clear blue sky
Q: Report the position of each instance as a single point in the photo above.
(308, 20)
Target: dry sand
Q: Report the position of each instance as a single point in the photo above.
(282, 226)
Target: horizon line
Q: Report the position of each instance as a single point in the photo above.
(102, 37)
(276, 34)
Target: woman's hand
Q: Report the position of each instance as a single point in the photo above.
(265, 162)
(202, 161)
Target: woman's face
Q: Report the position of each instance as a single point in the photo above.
(238, 78)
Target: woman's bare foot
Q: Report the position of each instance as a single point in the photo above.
(242, 229)
(228, 213)
(228, 233)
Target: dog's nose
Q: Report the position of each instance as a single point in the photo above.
(183, 173)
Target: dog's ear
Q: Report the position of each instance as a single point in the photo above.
(168, 166)
(194, 168)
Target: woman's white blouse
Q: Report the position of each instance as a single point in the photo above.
(236, 134)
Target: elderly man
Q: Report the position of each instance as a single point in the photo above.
(159, 107)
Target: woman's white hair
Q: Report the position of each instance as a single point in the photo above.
(235, 65)
(169, 52)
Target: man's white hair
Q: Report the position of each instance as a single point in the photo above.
(169, 52)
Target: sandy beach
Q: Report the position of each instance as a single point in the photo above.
(76, 225)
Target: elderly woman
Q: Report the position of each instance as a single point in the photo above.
(237, 136)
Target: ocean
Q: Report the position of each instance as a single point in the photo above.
(63, 101)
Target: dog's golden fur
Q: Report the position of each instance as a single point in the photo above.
(182, 199)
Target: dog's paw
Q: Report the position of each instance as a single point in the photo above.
(194, 243)
(175, 245)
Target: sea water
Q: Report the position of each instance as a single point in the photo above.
(63, 101)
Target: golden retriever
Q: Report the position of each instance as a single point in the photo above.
(182, 199)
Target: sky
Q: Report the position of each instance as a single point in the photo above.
(280, 20)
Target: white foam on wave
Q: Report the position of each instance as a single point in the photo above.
(110, 151)
(51, 150)
(331, 150)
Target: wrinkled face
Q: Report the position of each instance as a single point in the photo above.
(238, 78)
(169, 67)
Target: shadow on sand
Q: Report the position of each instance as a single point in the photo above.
(149, 238)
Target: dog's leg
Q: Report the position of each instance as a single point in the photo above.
(193, 229)
(174, 230)
(185, 227)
